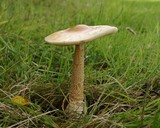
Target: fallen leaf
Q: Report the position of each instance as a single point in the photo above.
(20, 100)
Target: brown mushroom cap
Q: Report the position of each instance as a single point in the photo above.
(79, 34)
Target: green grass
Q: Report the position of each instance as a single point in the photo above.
(122, 71)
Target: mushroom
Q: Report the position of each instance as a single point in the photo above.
(78, 36)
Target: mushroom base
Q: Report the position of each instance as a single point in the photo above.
(75, 109)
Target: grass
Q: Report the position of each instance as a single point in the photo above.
(122, 71)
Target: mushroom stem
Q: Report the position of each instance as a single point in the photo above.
(75, 95)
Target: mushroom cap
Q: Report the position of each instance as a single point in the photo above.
(79, 34)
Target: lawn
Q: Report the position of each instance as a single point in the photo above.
(122, 71)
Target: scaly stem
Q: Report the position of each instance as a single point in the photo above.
(76, 96)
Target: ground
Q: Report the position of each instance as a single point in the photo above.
(122, 71)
